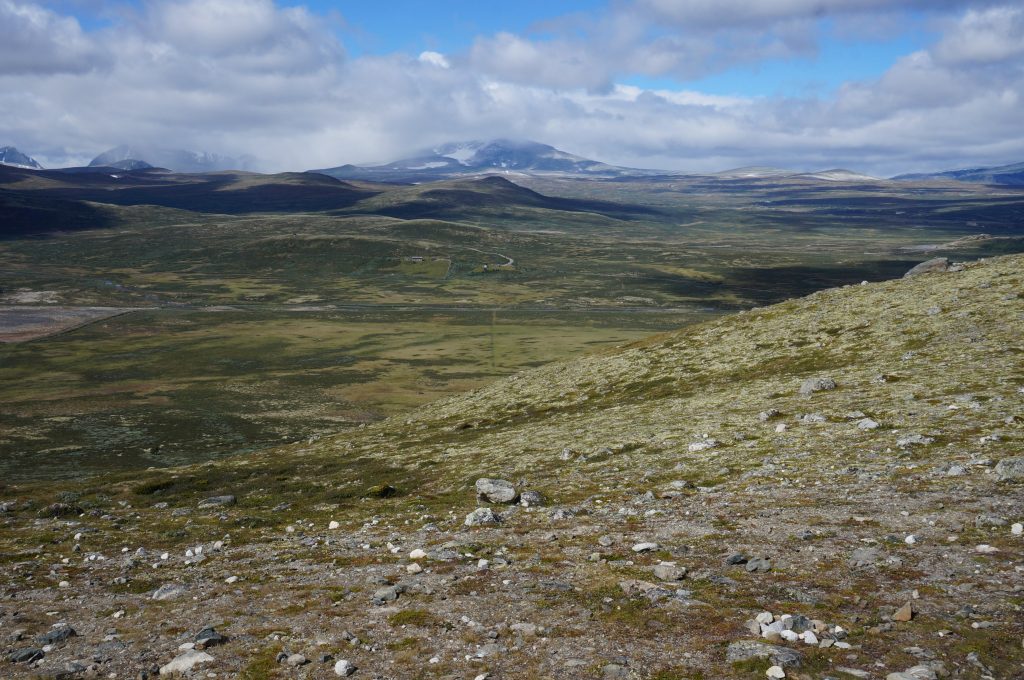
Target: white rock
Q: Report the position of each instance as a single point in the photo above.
(231, 579)
(789, 636)
(414, 568)
(1017, 529)
(165, 556)
(64, 584)
(645, 547)
(986, 549)
(910, 540)
(184, 662)
(483, 564)
(781, 427)
(764, 617)
(333, 525)
(344, 668)
(289, 529)
(809, 637)
(775, 672)
(417, 554)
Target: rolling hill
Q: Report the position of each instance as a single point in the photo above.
(848, 464)
(1010, 175)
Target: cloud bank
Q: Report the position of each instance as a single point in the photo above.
(252, 77)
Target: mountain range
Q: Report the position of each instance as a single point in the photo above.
(178, 160)
(1012, 175)
(457, 159)
(11, 156)
(463, 159)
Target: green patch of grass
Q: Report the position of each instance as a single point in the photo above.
(262, 666)
(413, 617)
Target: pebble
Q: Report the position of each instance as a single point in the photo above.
(986, 549)
(914, 440)
(910, 540)
(169, 591)
(812, 385)
(867, 424)
(531, 499)
(231, 579)
(668, 571)
(1017, 529)
(645, 547)
(481, 517)
(414, 568)
(904, 613)
(334, 525)
(217, 501)
(296, 660)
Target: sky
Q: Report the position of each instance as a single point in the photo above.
(877, 86)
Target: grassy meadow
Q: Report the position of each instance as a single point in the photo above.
(286, 320)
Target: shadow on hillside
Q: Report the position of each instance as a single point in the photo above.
(765, 286)
(29, 216)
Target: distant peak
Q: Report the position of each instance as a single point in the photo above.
(9, 155)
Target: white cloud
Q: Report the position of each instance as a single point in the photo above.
(38, 41)
(243, 77)
(434, 59)
(984, 37)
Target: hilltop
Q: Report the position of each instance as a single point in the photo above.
(845, 459)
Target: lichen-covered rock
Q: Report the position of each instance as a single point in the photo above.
(744, 650)
(812, 385)
(936, 264)
(496, 491)
(1010, 469)
(481, 517)
(183, 663)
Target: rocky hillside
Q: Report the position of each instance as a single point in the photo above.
(831, 487)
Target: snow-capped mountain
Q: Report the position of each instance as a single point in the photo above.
(133, 158)
(499, 155)
(840, 175)
(11, 156)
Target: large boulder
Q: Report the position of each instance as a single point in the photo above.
(937, 264)
(496, 491)
(1010, 469)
